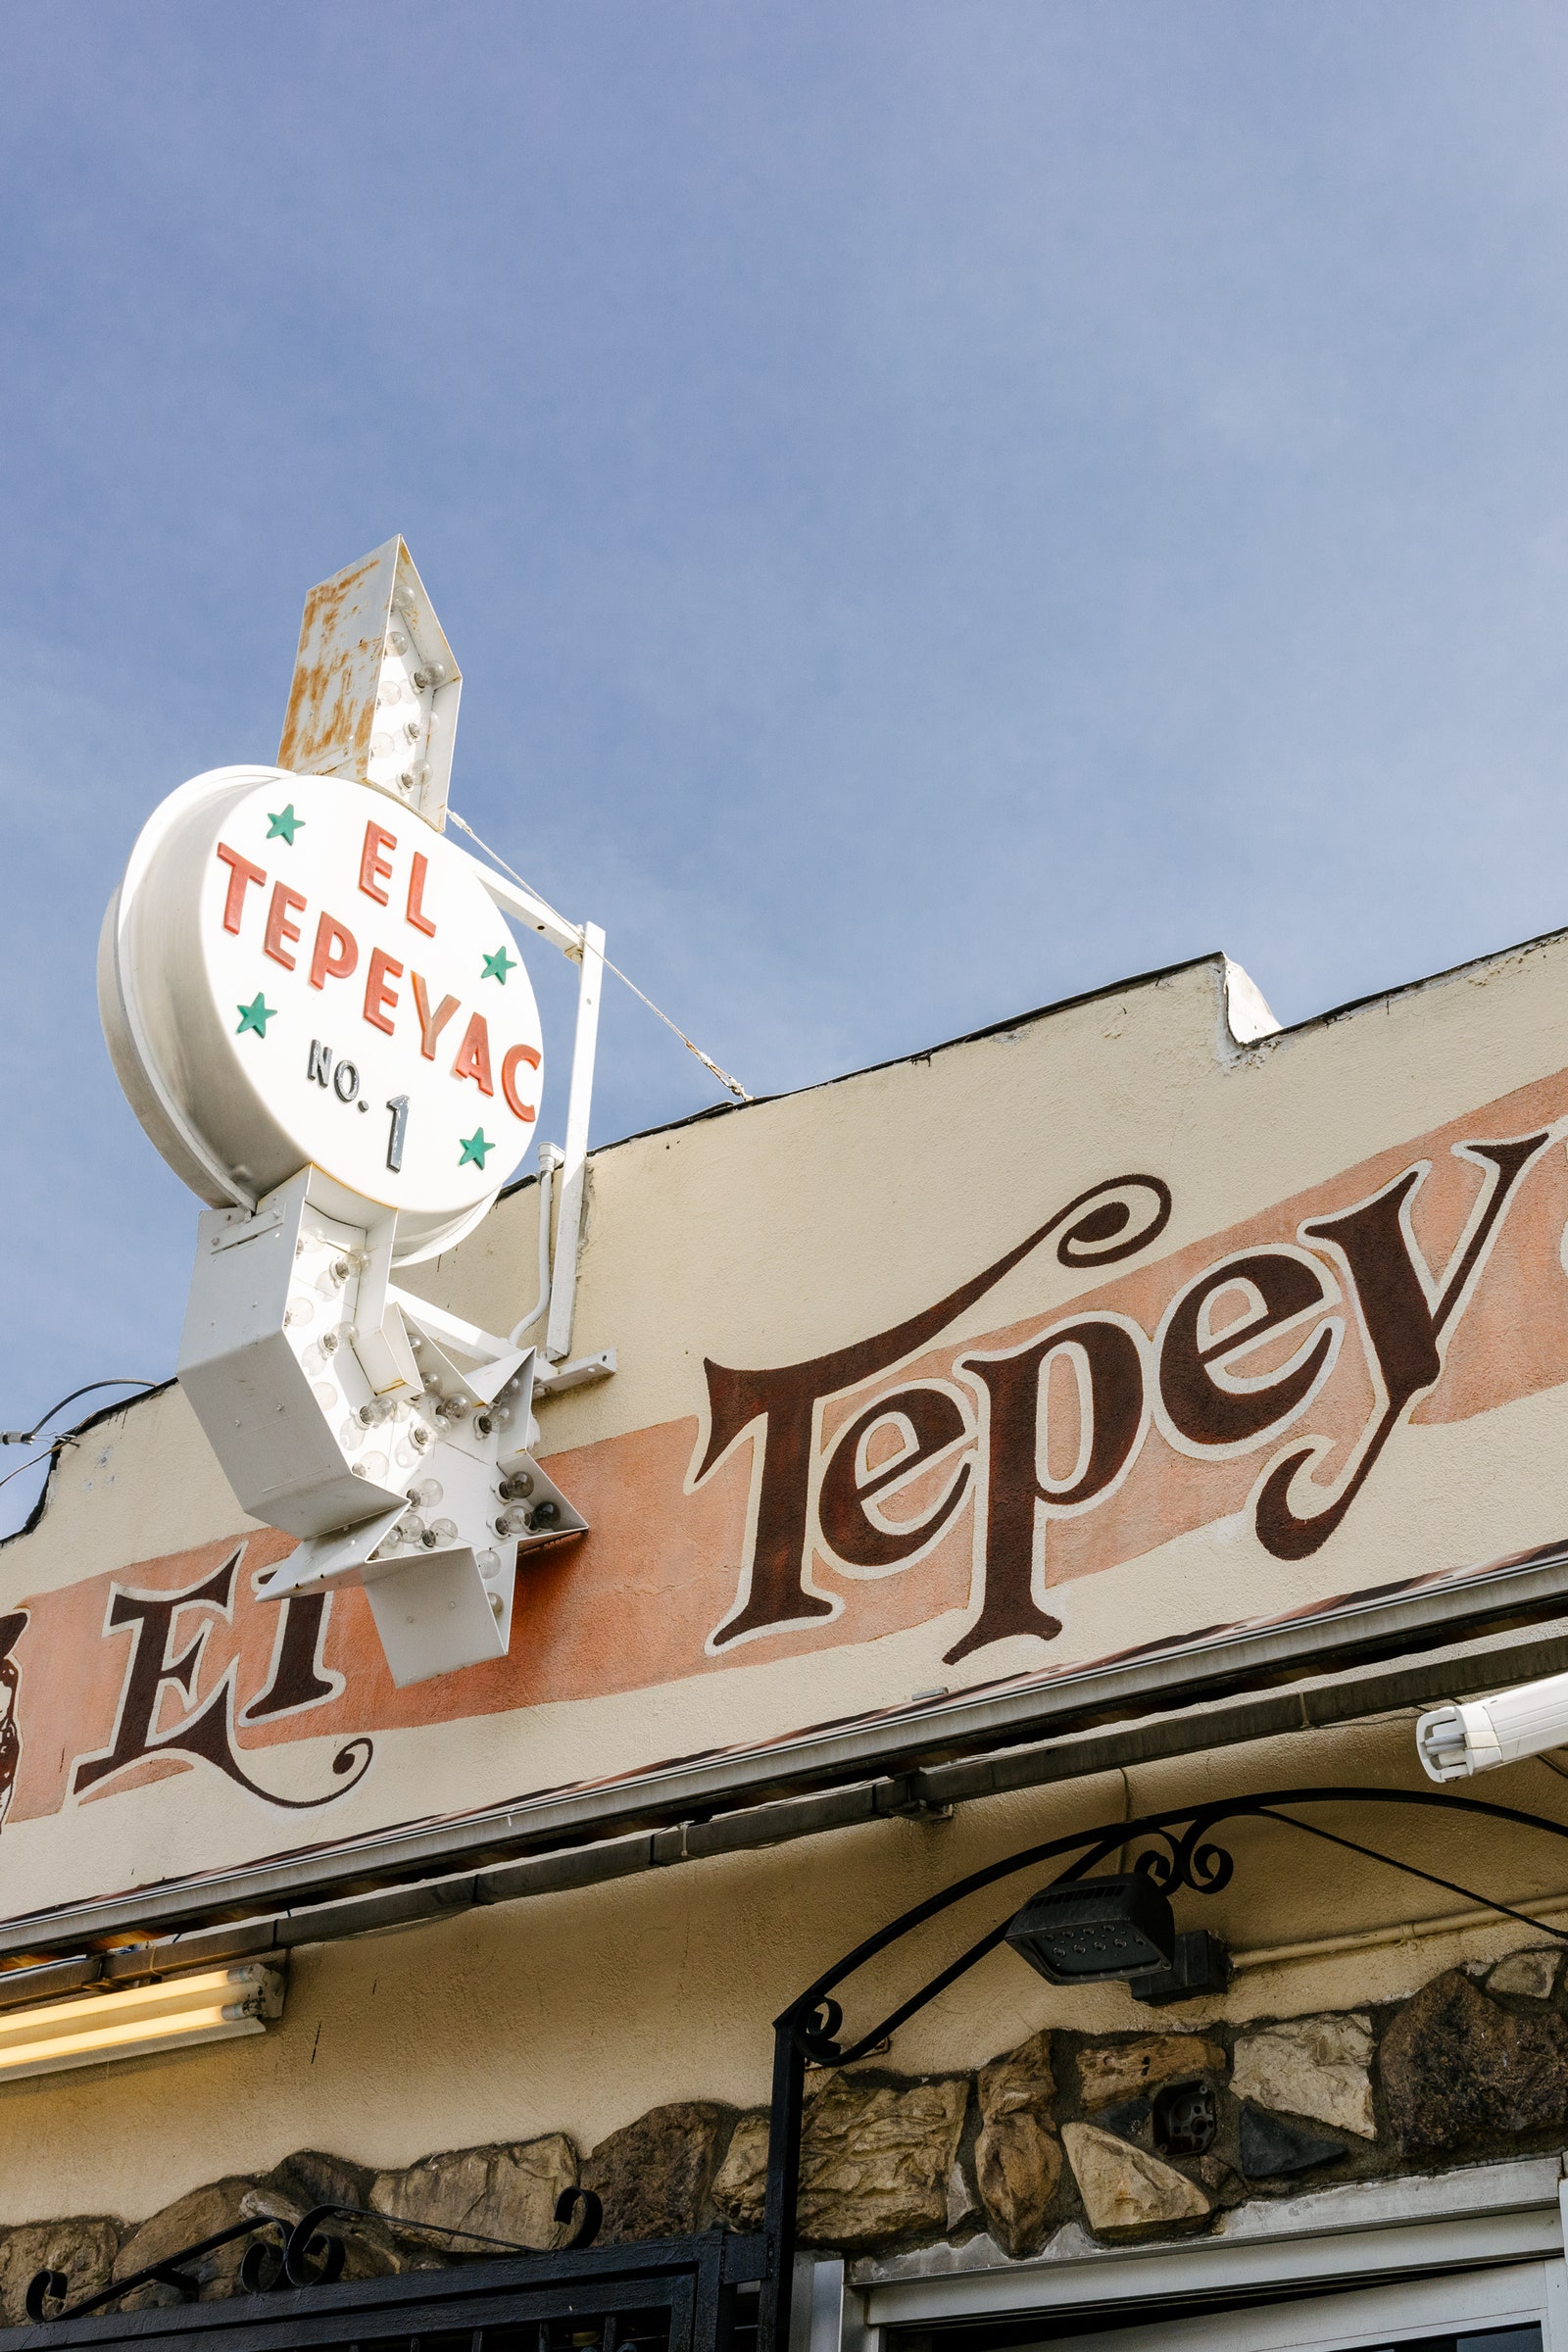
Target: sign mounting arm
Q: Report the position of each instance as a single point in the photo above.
(585, 946)
(511, 898)
(569, 1235)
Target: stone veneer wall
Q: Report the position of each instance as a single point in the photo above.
(1067, 2127)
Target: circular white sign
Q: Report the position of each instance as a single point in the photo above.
(296, 971)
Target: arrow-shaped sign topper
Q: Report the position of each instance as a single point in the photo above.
(375, 687)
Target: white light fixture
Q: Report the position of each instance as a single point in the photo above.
(1483, 1733)
(139, 2022)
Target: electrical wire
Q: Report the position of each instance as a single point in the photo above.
(549, 1159)
(24, 1437)
(733, 1085)
(66, 1437)
(47, 1455)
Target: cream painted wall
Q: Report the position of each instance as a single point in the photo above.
(767, 1234)
(759, 1237)
(577, 2012)
(894, 1186)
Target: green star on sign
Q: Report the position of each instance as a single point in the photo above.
(497, 965)
(282, 824)
(256, 1015)
(474, 1148)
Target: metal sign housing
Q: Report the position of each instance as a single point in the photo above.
(312, 1001)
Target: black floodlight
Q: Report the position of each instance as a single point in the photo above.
(1090, 1930)
(1201, 1965)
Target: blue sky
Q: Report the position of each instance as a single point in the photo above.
(939, 506)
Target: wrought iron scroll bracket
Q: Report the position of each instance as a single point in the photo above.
(1182, 1854)
(305, 2254)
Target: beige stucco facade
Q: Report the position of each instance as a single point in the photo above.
(771, 1238)
(578, 2012)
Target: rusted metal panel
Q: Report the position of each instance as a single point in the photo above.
(375, 687)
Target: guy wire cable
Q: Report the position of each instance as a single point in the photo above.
(733, 1085)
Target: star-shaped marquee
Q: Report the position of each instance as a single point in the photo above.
(497, 965)
(282, 824)
(256, 1015)
(474, 1148)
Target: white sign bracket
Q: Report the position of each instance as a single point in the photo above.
(573, 1174)
(583, 945)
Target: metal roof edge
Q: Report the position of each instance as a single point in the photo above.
(1328, 1017)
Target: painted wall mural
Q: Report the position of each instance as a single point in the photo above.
(1049, 1426)
(9, 1728)
(1183, 1429)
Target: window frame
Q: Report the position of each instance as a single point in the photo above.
(1396, 2249)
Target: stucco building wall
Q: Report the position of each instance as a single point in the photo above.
(772, 1237)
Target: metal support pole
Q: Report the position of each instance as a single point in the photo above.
(783, 2186)
(568, 1228)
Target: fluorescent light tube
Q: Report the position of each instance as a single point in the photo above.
(213, 2005)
